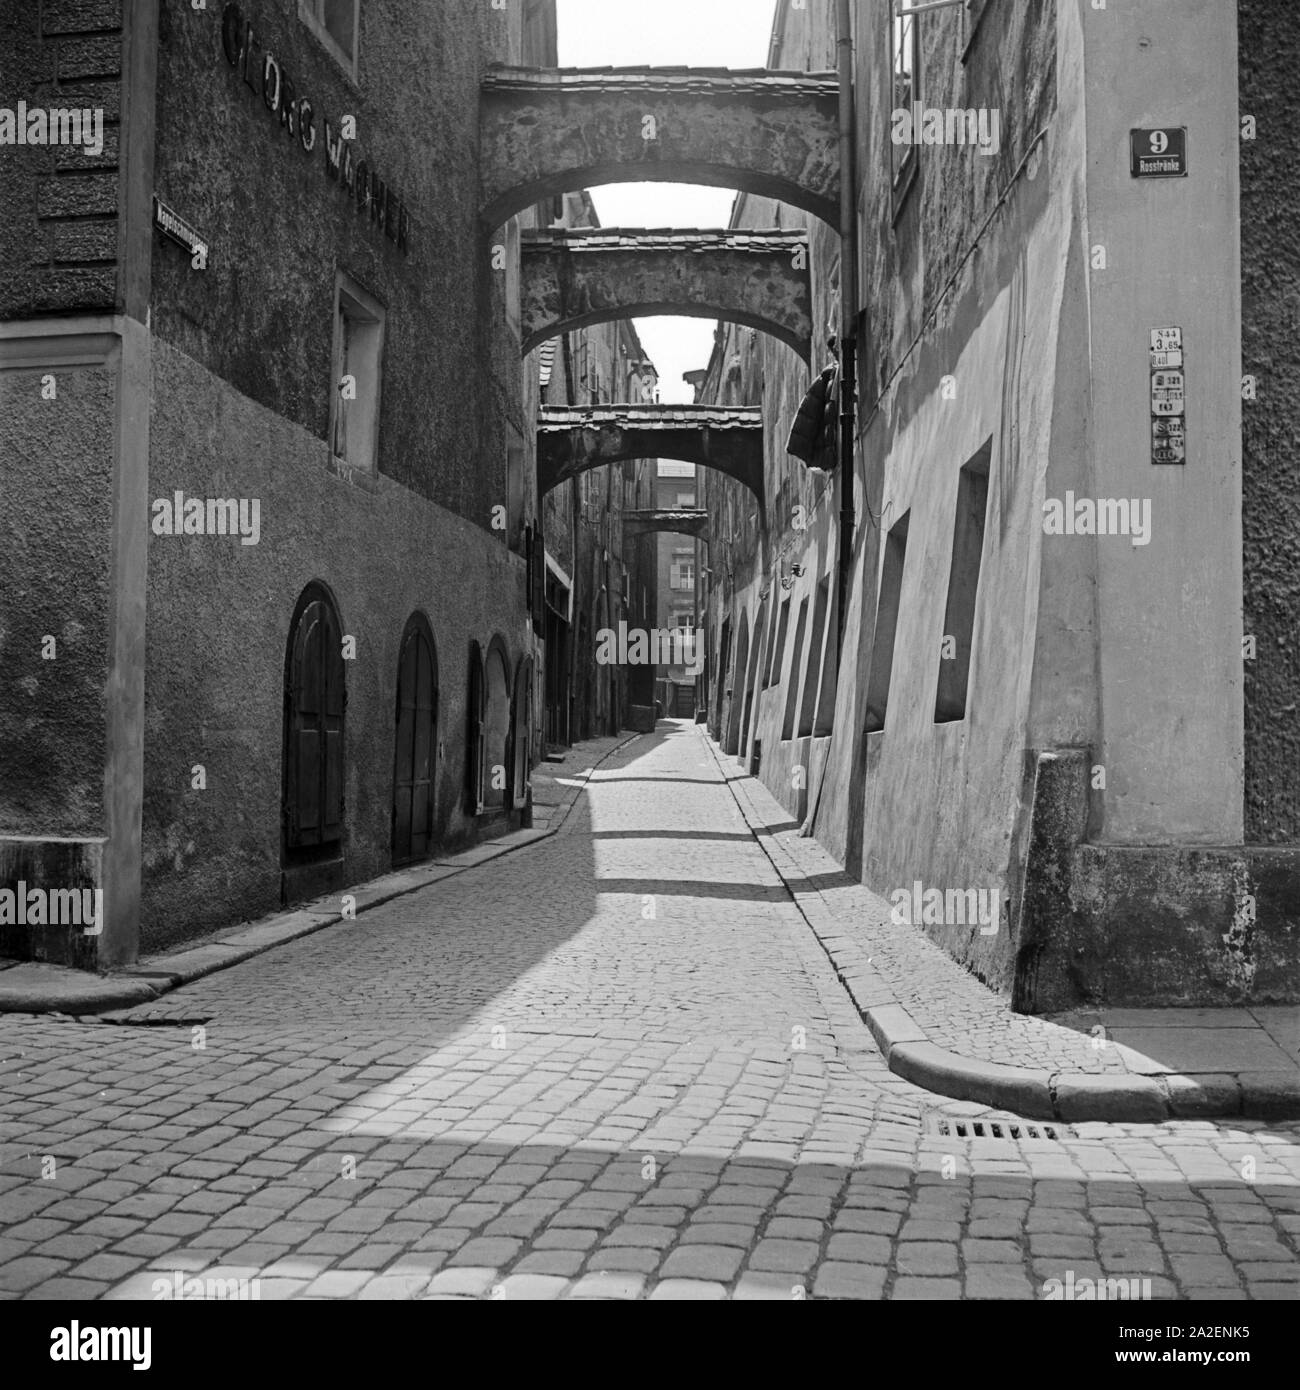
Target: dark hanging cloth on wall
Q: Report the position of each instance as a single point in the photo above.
(813, 436)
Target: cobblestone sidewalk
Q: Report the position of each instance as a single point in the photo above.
(965, 1040)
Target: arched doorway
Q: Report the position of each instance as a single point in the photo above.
(600, 714)
(737, 679)
(315, 705)
(521, 734)
(416, 755)
(496, 726)
(475, 714)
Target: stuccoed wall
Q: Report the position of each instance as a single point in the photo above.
(260, 315)
(218, 626)
(56, 507)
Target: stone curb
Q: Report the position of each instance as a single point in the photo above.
(42, 988)
(1067, 1097)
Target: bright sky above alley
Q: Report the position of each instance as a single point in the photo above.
(667, 33)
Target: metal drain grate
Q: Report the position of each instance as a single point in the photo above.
(160, 1021)
(1007, 1130)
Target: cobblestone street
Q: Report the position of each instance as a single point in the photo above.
(616, 1063)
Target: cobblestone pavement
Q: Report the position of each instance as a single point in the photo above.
(614, 1064)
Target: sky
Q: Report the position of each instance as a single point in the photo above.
(666, 33)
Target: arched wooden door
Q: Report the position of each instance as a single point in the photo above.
(415, 765)
(521, 734)
(496, 728)
(315, 707)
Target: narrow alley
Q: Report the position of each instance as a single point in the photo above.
(615, 1064)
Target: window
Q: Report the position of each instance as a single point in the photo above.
(816, 650)
(336, 24)
(796, 669)
(682, 574)
(882, 650)
(824, 721)
(776, 653)
(963, 586)
(358, 354)
(906, 92)
(685, 501)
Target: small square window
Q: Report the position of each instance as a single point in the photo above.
(336, 23)
(358, 356)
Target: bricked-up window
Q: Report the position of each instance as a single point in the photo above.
(906, 91)
(882, 650)
(358, 357)
(963, 588)
(336, 23)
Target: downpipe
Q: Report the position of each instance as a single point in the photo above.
(848, 346)
(848, 309)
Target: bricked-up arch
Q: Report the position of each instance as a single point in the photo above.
(545, 131)
(692, 522)
(572, 439)
(572, 279)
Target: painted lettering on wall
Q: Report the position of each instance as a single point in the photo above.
(373, 197)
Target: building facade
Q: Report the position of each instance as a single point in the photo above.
(274, 587)
(1045, 685)
(598, 575)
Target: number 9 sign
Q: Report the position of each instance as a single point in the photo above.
(1159, 154)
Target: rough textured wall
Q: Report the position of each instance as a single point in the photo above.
(56, 507)
(260, 315)
(215, 671)
(58, 231)
(911, 244)
(1270, 269)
